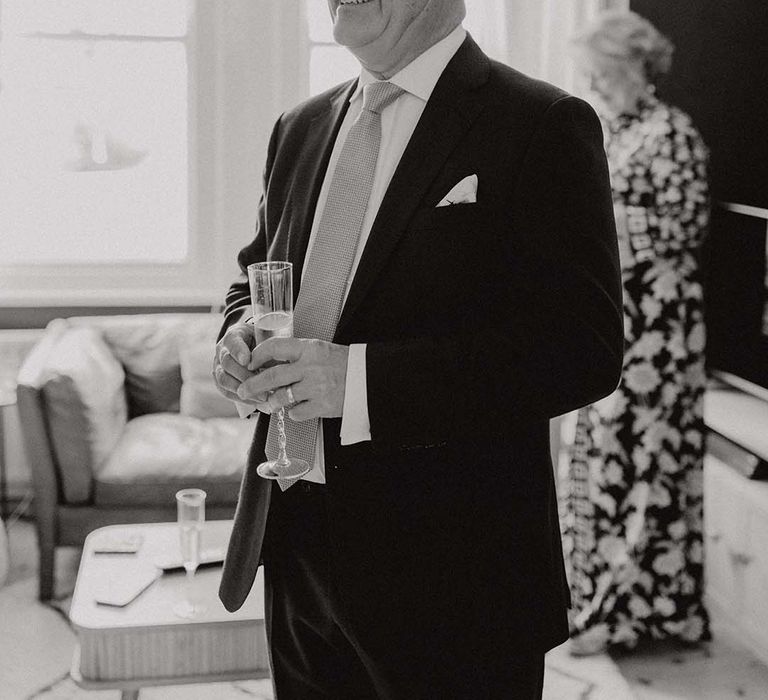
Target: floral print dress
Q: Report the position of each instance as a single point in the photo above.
(632, 499)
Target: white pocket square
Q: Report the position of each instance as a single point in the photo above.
(464, 192)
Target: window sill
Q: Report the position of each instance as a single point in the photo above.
(111, 298)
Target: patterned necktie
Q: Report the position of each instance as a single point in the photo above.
(324, 283)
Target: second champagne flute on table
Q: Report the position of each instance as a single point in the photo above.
(190, 506)
(271, 285)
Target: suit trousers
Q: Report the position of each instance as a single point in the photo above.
(318, 651)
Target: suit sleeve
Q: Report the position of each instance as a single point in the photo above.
(238, 296)
(556, 339)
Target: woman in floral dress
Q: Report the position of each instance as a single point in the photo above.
(632, 499)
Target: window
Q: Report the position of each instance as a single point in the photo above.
(94, 140)
(329, 63)
(94, 117)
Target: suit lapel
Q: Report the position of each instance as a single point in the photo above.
(449, 113)
(309, 174)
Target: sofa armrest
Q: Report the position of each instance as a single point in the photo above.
(37, 442)
(74, 387)
(45, 476)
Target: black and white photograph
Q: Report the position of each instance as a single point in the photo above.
(383, 350)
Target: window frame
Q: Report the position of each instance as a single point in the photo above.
(131, 283)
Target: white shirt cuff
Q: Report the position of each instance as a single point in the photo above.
(355, 422)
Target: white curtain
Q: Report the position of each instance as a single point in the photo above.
(538, 34)
(487, 22)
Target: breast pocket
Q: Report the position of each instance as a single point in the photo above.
(448, 235)
(455, 216)
(448, 248)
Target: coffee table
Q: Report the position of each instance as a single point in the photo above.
(145, 643)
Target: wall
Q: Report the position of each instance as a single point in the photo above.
(719, 77)
(244, 57)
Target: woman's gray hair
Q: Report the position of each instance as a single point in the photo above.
(625, 36)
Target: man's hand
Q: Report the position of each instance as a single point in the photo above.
(230, 363)
(314, 370)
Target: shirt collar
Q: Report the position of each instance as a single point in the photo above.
(420, 76)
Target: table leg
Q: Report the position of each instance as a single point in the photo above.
(129, 695)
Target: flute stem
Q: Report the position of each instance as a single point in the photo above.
(282, 458)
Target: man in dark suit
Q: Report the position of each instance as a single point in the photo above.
(479, 297)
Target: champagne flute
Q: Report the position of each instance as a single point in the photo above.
(190, 506)
(271, 286)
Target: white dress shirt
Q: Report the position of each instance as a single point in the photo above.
(398, 121)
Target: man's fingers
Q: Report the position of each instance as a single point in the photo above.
(233, 367)
(237, 341)
(227, 384)
(276, 350)
(302, 411)
(270, 380)
(282, 398)
(240, 349)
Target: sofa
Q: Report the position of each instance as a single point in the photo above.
(118, 413)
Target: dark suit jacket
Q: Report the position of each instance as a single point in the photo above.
(482, 321)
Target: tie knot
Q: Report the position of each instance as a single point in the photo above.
(377, 96)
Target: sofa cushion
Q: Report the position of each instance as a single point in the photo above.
(199, 396)
(148, 346)
(83, 389)
(161, 453)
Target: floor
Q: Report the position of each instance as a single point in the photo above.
(36, 646)
(721, 671)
